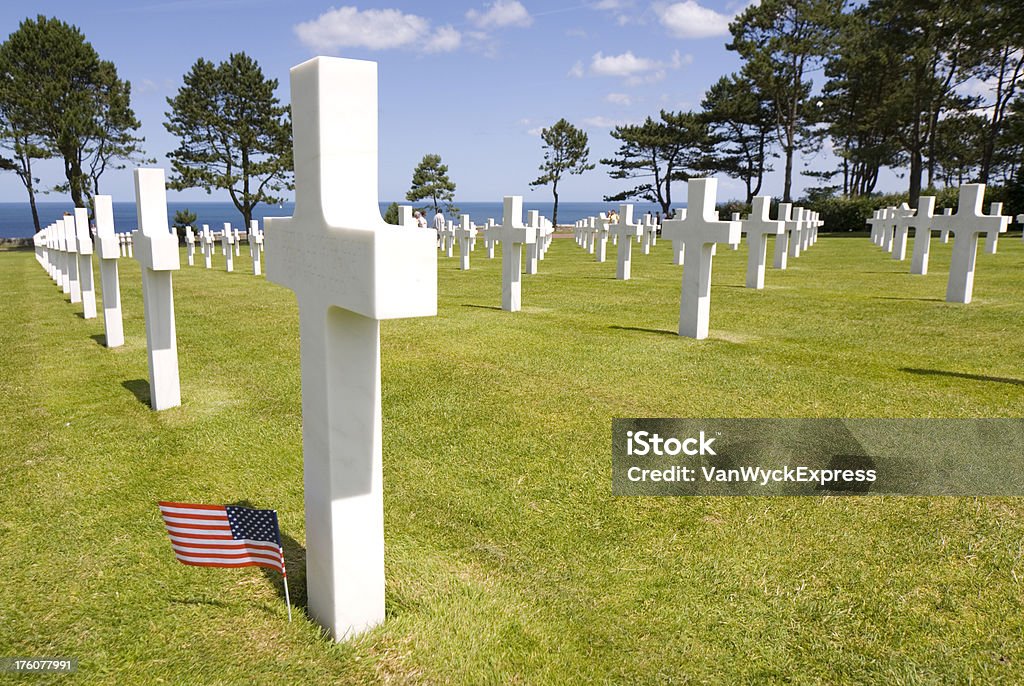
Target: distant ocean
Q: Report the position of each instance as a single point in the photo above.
(16, 217)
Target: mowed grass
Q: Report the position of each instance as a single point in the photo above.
(508, 560)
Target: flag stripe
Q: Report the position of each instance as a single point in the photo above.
(189, 506)
(223, 535)
(196, 563)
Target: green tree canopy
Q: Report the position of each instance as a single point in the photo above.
(430, 182)
(781, 42)
(233, 133)
(565, 152)
(60, 97)
(674, 147)
(742, 119)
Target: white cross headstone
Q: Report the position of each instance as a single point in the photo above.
(491, 231)
(649, 229)
(85, 275)
(992, 236)
(876, 226)
(71, 246)
(466, 233)
(795, 228)
(601, 238)
(736, 218)
(122, 239)
(129, 242)
(782, 240)
(903, 218)
(944, 233)
(1020, 220)
(405, 217)
(349, 270)
(190, 244)
(63, 257)
(513, 235)
(158, 257)
(256, 246)
(449, 239)
(966, 225)
(626, 230)
(237, 235)
(227, 239)
(888, 228)
(922, 222)
(207, 240)
(758, 227)
(678, 247)
(532, 249)
(701, 230)
(109, 250)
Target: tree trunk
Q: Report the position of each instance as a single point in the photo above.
(554, 210)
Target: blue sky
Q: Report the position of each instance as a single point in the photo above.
(473, 81)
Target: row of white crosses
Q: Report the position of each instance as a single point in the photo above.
(66, 249)
(890, 228)
(231, 240)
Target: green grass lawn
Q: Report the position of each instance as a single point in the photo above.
(508, 560)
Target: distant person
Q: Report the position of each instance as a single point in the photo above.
(438, 225)
(418, 218)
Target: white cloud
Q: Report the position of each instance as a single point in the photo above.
(535, 131)
(626, 64)
(601, 122)
(350, 27)
(444, 39)
(500, 13)
(688, 19)
(577, 70)
(619, 99)
(611, 4)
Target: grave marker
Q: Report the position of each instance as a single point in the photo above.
(109, 250)
(626, 230)
(922, 222)
(966, 225)
(158, 257)
(349, 270)
(701, 230)
(513, 235)
(758, 227)
(84, 241)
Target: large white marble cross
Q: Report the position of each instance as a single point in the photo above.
(84, 241)
(922, 222)
(698, 234)
(109, 250)
(992, 235)
(71, 248)
(158, 256)
(190, 245)
(966, 225)
(758, 227)
(513, 235)
(902, 220)
(349, 270)
(626, 231)
(466, 233)
(207, 238)
(796, 227)
(227, 240)
(532, 249)
(780, 255)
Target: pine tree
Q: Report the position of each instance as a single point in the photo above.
(430, 181)
(565, 152)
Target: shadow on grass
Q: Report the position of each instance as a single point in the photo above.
(294, 562)
(663, 332)
(139, 388)
(963, 375)
(924, 300)
(482, 307)
(101, 339)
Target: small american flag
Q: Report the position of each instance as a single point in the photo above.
(224, 536)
